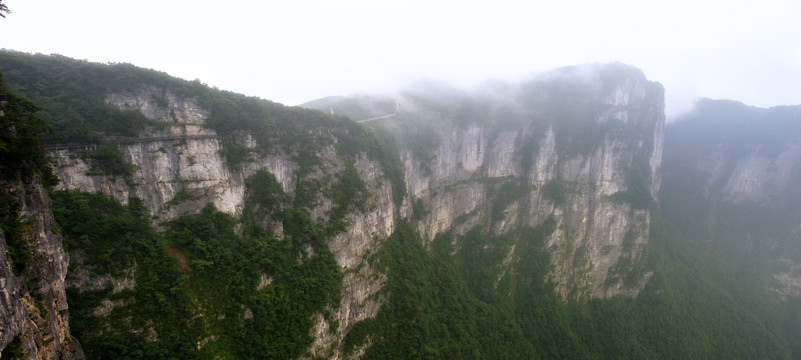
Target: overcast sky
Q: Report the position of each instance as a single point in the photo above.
(297, 50)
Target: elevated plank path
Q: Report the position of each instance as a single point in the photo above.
(387, 116)
(378, 118)
(127, 140)
(139, 140)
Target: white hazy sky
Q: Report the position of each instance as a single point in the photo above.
(293, 51)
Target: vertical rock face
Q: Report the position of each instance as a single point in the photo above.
(185, 159)
(744, 154)
(33, 304)
(587, 193)
(594, 193)
(768, 180)
(741, 167)
(182, 158)
(754, 175)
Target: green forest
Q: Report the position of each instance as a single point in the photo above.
(197, 264)
(439, 305)
(209, 285)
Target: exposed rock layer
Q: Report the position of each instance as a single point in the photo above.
(594, 232)
(456, 187)
(33, 304)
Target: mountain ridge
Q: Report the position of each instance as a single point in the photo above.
(532, 202)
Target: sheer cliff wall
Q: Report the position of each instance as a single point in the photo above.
(598, 191)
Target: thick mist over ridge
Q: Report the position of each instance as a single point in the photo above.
(295, 52)
(509, 220)
(530, 96)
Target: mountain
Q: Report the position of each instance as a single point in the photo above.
(732, 172)
(579, 145)
(512, 220)
(730, 198)
(34, 321)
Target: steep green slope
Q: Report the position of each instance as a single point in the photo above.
(21, 159)
(450, 304)
(733, 222)
(32, 259)
(72, 96)
(439, 305)
(252, 294)
(237, 290)
(208, 285)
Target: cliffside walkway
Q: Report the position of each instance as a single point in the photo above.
(134, 140)
(127, 140)
(387, 116)
(378, 117)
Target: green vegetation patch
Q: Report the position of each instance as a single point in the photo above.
(419, 209)
(638, 186)
(506, 194)
(264, 195)
(22, 159)
(22, 155)
(15, 350)
(182, 196)
(107, 159)
(349, 193)
(15, 231)
(556, 191)
(441, 306)
(234, 153)
(116, 239)
(72, 94)
(196, 282)
(464, 298)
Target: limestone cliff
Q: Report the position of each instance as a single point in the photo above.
(590, 178)
(33, 304)
(180, 168)
(739, 168)
(34, 318)
(438, 224)
(747, 154)
(514, 141)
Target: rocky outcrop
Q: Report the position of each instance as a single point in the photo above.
(33, 303)
(180, 169)
(594, 231)
(743, 153)
(741, 166)
(182, 158)
(758, 177)
(193, 166)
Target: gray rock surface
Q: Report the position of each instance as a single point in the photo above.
(33, 304)
(456, 190)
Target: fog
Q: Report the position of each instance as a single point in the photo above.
(293, 52)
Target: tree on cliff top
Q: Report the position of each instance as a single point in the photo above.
(4, 9)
